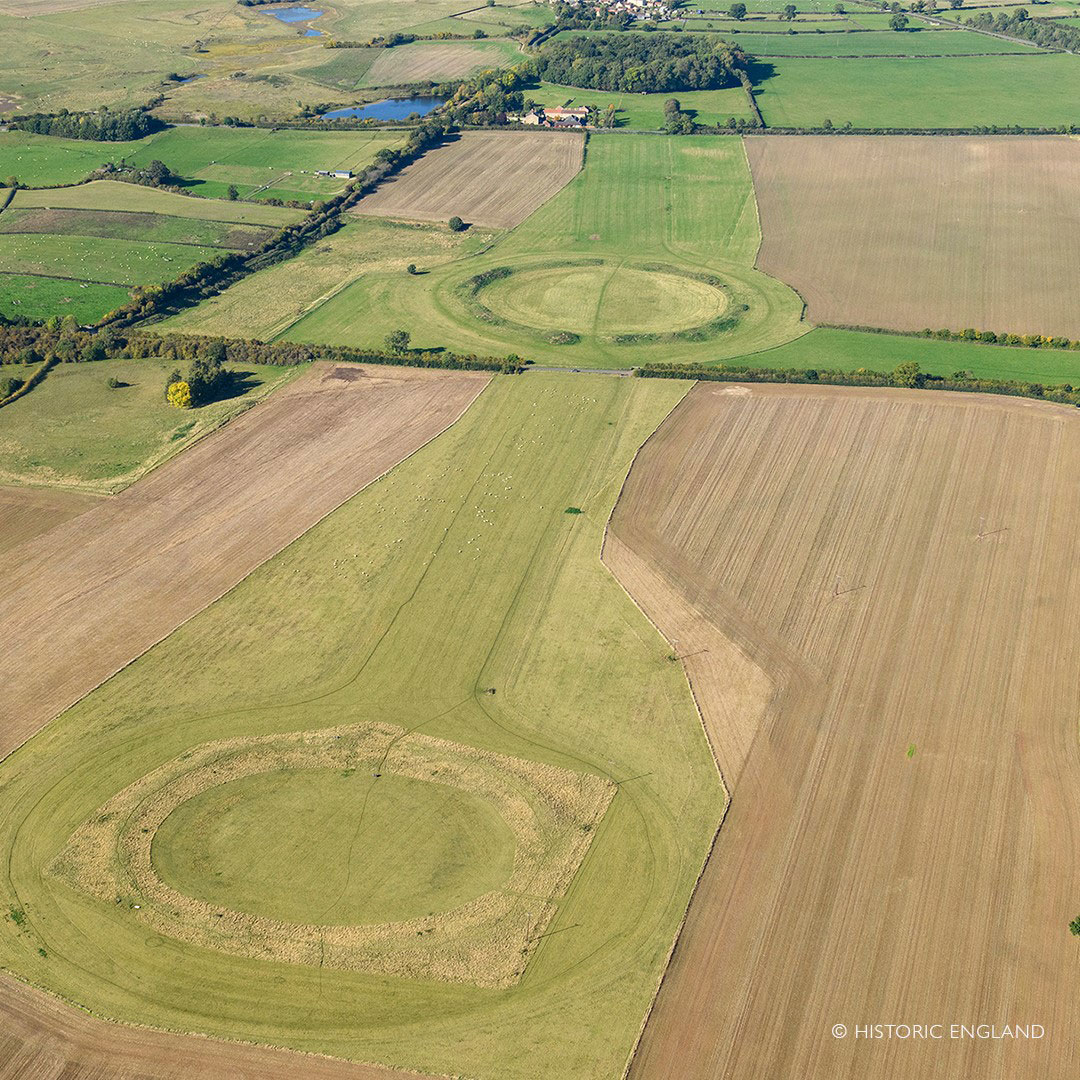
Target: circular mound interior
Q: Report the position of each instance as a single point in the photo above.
(606, 299)
(334, 848)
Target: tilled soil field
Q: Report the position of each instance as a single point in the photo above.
(874, 593)
(978, 232)
(486, 178)
(29, 512)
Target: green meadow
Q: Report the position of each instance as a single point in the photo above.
(1028, 91)
(847, 350)
(258, 162)
(887, 43)
(76, 431)
(457, 574)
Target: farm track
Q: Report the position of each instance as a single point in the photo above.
(980, 231)
(89, 596)
(849, 576)
(495, 179)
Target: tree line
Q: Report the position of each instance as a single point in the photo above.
(639, 63)
(1020, 24)
(105, 125)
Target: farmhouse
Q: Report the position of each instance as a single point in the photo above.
(338, 174)
(557, 117)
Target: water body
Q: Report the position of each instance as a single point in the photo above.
(391, 109)
(295, 14)
(192, 78)
(312, 32)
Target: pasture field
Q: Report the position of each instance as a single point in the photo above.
(881, 633)
(438, 61)
(494, 179)
(48, 296)
(458, 573)
(107, 235)
(963, 92)
(977, 232)
(260, 163)
(265, 304)
(74, 431)
(26, 513)
(886, 43)
(694, 236)
(97, 259)
(35, 160)
(645, 112)
(847, 350)
(75, 251)
(114, 195)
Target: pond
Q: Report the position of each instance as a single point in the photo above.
(391, 109)
(295, 14)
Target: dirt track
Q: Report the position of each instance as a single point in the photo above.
(853, 575)
(91, 594)
(486, 178)
(979, 232)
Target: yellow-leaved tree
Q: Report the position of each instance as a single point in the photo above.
(179, 395)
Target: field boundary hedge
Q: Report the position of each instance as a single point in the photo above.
(906, 376)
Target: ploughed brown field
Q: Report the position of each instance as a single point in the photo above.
(91, 594)
(44, 1039)
(28, 512)
(485, 178)
(875, 595)
(909, 232)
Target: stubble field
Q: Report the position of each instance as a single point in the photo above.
(437, 61)
(874, 593)
(490, 178)
(976, 232)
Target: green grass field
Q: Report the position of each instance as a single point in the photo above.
(92, 258)
(115, 195)
(847, 350)
(458, 572)
(260, 163)
(918, 42)
(72, 430)
(46, 296)
(645, 112)
(107, 233)
(1029, 91)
